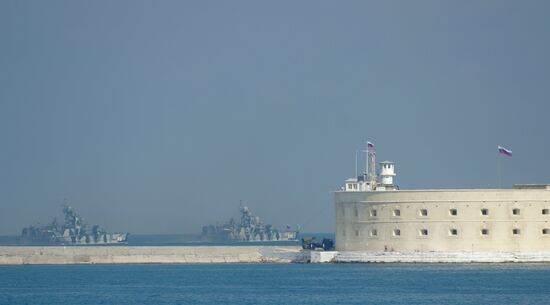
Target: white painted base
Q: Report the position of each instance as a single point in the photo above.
(441, 257)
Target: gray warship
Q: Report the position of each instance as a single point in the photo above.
(250, 229)
(73, 232)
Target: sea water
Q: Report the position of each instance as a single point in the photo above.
(148, 240)
(277, 284)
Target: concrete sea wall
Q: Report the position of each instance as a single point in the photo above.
(244, 254)
(150, 255)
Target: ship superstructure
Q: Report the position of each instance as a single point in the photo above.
(73, 231)
(249, 228)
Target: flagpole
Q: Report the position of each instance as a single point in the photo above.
(367, 162)
(501, 151)
(499, 171)
(356, 164)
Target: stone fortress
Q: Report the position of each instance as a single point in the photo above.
(372, 214)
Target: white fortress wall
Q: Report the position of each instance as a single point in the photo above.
(475, 220)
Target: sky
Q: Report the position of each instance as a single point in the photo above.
(157, 117)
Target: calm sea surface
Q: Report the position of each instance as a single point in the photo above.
(179, 240)
(276, 284)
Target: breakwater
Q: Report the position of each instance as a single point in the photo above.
(51, 255)
(59, 255)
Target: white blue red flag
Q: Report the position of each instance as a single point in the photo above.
(369, 144)
(504, 151)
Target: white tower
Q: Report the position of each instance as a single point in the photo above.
(387, 173)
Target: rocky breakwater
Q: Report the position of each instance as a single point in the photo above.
(149, 255)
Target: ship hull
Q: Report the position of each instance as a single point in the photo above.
(74, 231)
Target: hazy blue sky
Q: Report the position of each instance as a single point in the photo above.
(159, 116)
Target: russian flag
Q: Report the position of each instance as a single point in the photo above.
(504, 151)
(369, 144)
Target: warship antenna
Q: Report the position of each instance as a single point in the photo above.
(65, 202)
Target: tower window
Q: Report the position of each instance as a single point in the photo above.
(356, 232)
(515, 211)
(356, 212)
(453, 212)
(373, 213)
(516, 231)
(373, 232)
(396, 212)
(423, 212)
(423, 232)
(453, 232)
(396, 232)
(484, 231)
(545, 212)
(545, 231)
(484, 212)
